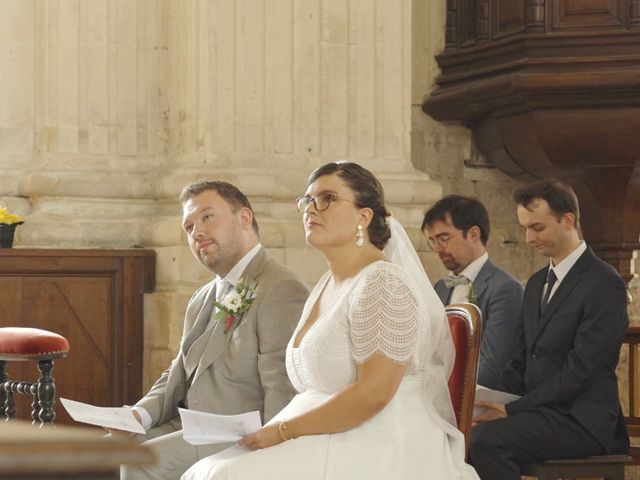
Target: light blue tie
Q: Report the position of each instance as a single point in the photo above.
(453, 280)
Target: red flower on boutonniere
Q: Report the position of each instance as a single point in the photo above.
(235, 303)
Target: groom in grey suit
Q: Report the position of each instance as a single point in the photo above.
(222, 367)
(457, 229)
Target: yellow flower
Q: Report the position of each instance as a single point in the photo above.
(9, 218)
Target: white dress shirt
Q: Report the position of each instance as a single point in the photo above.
(459, 293)
(564, 266)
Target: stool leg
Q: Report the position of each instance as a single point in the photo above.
(8, 405)
(35, 403)
(46, 392)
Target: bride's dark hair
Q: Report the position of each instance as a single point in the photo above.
(368, 193)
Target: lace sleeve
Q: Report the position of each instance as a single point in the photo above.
(383, 317)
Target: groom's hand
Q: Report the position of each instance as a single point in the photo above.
(115, 431)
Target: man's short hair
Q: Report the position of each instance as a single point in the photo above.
(560, 197)
(465, 212)
(230, 193)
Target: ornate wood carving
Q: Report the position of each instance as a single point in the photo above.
(451, 35)
(634, 11)
(535, 15)
(483, 20)
(510, 17)
(600, 14)
(555, 91)
(94, 299)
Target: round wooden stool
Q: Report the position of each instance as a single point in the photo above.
(19, 344)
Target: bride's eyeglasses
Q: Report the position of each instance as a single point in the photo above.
(321, 202)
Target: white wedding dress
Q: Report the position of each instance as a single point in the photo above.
(411, 438)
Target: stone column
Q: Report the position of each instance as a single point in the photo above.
(261, 93)
(83, 130)
(17, 105)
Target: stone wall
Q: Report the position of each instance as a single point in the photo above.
(112, 106)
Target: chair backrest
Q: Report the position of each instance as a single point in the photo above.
(465, 321)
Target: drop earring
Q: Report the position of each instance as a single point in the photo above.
(360, 236)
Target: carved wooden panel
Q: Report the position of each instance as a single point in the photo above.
(554, 91)
(634, 11)
(451, 33)
(510, 17)
(587, 14)
(462, 23)
(535, 14)
(469, 23)
(94, 299)
(483, 20)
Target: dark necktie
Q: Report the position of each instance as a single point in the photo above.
(551, 281)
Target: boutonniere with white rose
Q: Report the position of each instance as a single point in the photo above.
(235, 303)
(471, 296)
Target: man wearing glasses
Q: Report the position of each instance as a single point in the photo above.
(457, 229)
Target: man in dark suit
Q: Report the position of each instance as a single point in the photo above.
(457, 229)
(574, 319)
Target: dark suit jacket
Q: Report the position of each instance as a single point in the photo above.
(567, 358)
(499, 297)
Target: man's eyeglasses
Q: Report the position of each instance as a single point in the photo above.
(321, 202)
(441, 240)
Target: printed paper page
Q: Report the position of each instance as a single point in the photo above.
(489, 395)
(199, 428)
(120, 418)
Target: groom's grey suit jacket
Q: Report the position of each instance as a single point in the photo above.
(241, 370)
(499, 297)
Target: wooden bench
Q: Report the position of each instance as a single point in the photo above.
(31, 453)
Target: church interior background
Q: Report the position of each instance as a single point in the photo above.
(109, 107)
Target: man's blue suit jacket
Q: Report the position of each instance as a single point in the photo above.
(499, 297)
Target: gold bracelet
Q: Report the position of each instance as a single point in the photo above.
(282, 428)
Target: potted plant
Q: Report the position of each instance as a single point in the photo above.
(8, 224)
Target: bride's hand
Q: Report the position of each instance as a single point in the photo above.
(267, 436)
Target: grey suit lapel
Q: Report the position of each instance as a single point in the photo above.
(481, 282)
(218, 340)
(202, 320)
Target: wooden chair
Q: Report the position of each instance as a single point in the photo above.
(609, 467)
(632, 420)
(465, 321)
(30, 344)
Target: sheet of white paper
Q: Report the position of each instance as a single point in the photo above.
(199, 428)
(120, 418)
(489, 395)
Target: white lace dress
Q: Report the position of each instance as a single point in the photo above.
(407, 440)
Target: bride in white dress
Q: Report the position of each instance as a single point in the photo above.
(370, 357)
